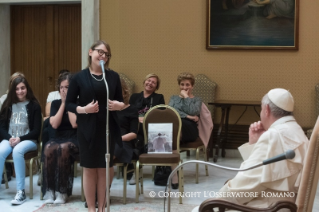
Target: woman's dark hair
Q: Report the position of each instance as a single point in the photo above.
(62, 77)
(12, 96)
(63, 71)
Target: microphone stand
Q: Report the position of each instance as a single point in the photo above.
(107, 155)
(202, 162)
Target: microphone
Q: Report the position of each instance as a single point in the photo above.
(290, 154)
(102, 62)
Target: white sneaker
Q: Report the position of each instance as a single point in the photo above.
(132, 180)
(60, 198)
(50, 199)
(19, 198)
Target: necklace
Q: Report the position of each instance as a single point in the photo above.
(99, 80)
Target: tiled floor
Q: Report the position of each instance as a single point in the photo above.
(200, 191)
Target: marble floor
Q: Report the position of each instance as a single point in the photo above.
(200, 192)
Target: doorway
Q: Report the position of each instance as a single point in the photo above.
(44, 40)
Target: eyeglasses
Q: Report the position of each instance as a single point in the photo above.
(101, 53)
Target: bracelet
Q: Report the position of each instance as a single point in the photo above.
(84, 110)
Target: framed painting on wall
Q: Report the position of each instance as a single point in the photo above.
(252, 24)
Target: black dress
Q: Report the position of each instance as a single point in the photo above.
(129, 124)
(92, 127)
(95, 154)
(59, 155)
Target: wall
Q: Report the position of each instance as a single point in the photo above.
(4, 47)
(168, 36)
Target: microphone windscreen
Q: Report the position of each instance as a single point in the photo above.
(102, 66)
(290, 154)
(102, 62)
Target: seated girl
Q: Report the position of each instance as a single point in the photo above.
(61, 150)
(20, 126)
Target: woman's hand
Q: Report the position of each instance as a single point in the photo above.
(193, 118)
(115, 105)
(92, 107)
(141, 119)
(63, 96)
(184, 93)
(14, 141)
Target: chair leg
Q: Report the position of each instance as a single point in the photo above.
(197, 157)
(137, 177)
(181, 186)
(182, 176)
(118, 172)
(31, 178)
(188, 153)
(137, 183)
(75, 169)
(125, 183)
(205, 158)
(5, 177)
(82, 190)
(41, 194)
(153, 172)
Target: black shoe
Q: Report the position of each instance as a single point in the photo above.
(96, 204)
(174, 185)
(9, 178)
(86, 205)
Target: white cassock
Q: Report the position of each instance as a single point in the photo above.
(158, 143)
(284, 176)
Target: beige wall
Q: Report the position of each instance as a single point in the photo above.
(168, 36)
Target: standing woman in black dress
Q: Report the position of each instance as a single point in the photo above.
(88, 86)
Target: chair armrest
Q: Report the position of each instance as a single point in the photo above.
(209, 204)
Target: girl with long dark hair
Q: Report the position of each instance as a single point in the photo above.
(20, 126)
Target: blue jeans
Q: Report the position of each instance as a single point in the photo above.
(18, 158)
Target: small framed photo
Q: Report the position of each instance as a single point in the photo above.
(160, 138)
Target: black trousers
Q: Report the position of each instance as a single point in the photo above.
(189, 131)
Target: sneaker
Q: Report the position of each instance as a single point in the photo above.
(60, 198)
(19, 198)
(50, 199)
(132, 180)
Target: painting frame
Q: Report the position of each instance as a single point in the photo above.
(216, 39)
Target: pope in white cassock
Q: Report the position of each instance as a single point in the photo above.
(275, 133)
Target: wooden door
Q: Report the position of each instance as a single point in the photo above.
(44, 40)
